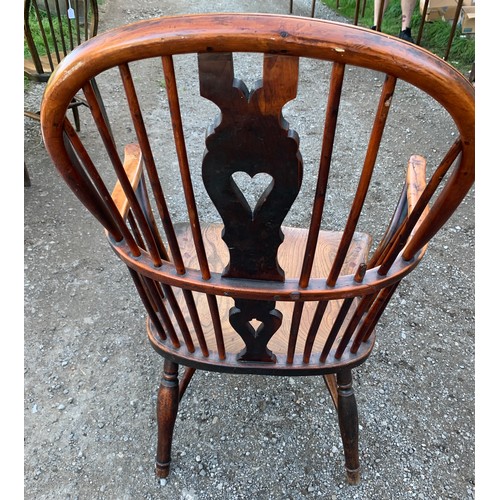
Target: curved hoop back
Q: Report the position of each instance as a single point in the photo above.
(253, 135)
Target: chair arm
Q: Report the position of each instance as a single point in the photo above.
(133, 166)
(415, 185)
(412, 189)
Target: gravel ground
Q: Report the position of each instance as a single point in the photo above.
(91, 376)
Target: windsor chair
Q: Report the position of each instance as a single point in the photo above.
(235, 288)
(52, 29)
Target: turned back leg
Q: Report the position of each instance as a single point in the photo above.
(348, 423)
(168, 403)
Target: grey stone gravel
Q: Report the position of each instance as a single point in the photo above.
(91, 376)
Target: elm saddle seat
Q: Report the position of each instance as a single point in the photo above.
(242, 292)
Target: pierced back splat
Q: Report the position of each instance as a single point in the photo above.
(252, 136)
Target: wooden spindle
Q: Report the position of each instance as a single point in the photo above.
(186, 378)
(162, 312)
(121, 175)
(195, 319)
(370, 320)
(44, 36)
(313, 329)
(60, 26)
(181, 321)
(339, 321)
(70, 28)
(294, 331)
(361, 309)
(146, 300)
(95, 196)
(418, 210)
(336, 81)
(76, 3)
(366, 174)
(219, 337)
(175, 113)
(143, 198)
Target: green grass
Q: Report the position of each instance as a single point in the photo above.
(38, 38)
(37, 33)
(435, 35)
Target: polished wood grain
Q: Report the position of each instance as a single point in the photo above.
(290, 257)
(251, 295)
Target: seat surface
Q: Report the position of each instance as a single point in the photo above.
(290, 257)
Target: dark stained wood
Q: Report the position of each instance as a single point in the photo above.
(173, 99)
(251, 295)
(290, 256)
(168, 402)
(252, 236)
(348, 423)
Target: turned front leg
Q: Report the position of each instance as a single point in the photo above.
(348, 423)
(168, 403)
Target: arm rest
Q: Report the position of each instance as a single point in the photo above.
(416, 182)
(413, 188)
(132, 165)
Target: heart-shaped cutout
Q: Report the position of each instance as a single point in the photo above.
(252, 188)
